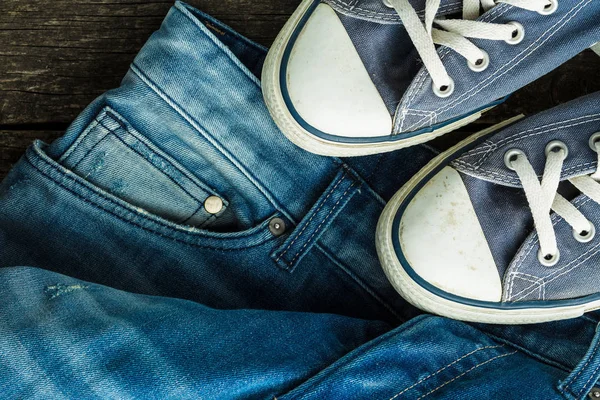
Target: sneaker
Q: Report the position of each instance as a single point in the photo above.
(348, 78)
(501, 227)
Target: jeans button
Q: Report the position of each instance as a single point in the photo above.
(594, 393)
(277, 226)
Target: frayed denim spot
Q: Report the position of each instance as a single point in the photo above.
(59, 289)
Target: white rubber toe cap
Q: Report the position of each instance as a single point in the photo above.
(443, 242)
(328, 84)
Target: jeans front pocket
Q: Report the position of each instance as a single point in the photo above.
(115, 157)
(309, 230)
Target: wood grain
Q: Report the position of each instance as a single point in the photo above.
(56, 56)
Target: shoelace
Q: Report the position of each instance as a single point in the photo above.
(542, 196)
(456, 31)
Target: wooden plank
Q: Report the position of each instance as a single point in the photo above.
(58, 55)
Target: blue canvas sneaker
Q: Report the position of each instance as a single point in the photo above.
(347, 78)
(501, 228)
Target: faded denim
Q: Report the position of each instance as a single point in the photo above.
(119, 199)
(135, 291)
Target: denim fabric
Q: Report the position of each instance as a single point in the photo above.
(119, 199)
(496, 192)
(135, 291)
(549, 41)
(63, 338)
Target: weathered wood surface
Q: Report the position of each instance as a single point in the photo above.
(58, 55)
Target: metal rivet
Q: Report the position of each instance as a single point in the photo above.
(277, 226)
(594, 393)
(213, 204)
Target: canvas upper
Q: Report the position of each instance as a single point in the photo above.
(350, 72)
(464, 229)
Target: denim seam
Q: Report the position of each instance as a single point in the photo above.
(153, 148)
(316, 212)
(583, 388)
(342, 197)
(527, 351)
(357, 353)
(102, 139)
(200, 202)
(213, 141)
(93, 124)
(98, 206)
(447, 366)
(359, 281)
(230, 31)
(114, 133)
(517, 59)
(569, 381)
(219, 44)
(466, 372)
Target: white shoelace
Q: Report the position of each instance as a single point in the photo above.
(456, 31)
(542, 196)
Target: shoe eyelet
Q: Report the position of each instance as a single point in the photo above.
(510, 156)
(387, 3)
(595, 138)
(548, 260)
(482, 64)
(585, 236)
(556, 146)
(518, 33)
(550, 8)
(445, 90)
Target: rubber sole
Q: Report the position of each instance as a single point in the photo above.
(301, 137)
(426, 300)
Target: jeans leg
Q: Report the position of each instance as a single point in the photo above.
(65, 338)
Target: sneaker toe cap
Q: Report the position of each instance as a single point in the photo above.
(443, 242)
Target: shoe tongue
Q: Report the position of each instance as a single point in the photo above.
(388, 54)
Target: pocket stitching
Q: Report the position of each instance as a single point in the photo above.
(331, 191)
(155, 220)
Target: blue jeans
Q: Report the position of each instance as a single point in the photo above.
(137, 289)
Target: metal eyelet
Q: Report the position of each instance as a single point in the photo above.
(585, 236)
(444, 90)
(481, 64)
(556, 146)
(510, 156)
(387, 3)
(595, 138)
(550, 8)
(548, 260)
(518, 33)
